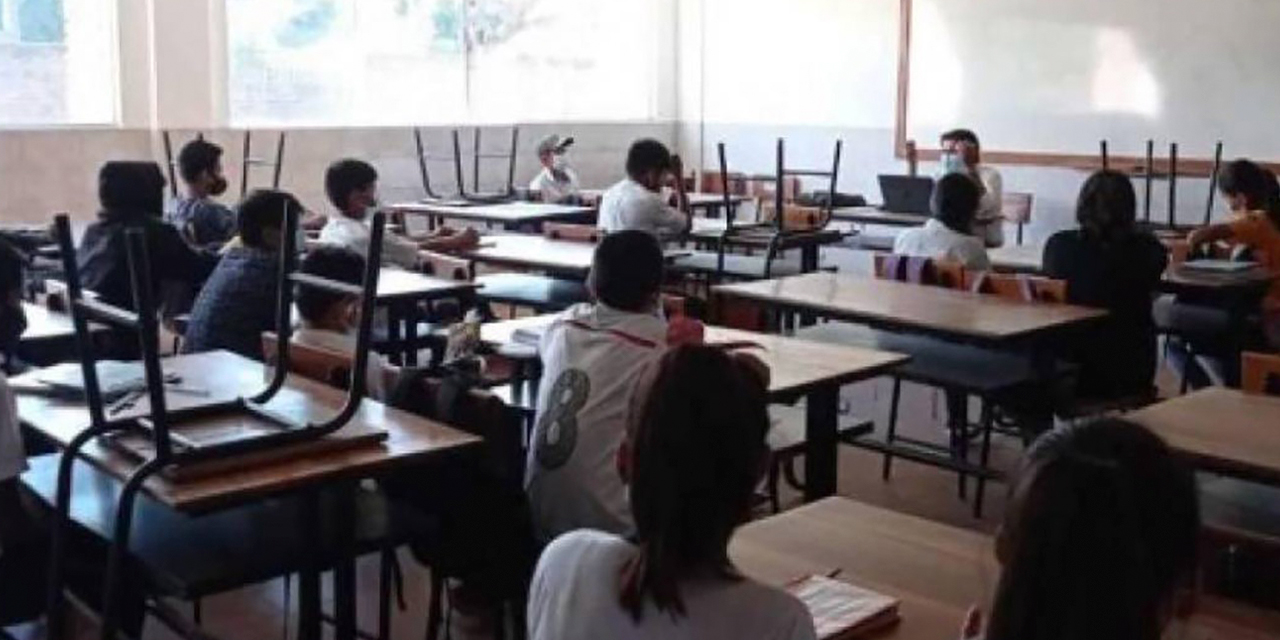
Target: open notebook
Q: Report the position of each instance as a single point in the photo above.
(842, 611)
(1219, 266)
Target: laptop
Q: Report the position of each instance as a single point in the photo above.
(906, 194)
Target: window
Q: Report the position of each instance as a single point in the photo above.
(397, 62)
(57, 62)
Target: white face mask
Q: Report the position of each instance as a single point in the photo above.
(559, 162)
(952, 162)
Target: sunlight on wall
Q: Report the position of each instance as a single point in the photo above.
(1122, 79)
(937, 76)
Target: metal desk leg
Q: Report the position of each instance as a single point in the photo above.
(344, 570)
(410, 315)
(309, 613)
(394, 343)
(821, 442)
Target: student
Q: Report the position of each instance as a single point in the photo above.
(1100, 539)
(962, 153)
(329, 320)
(556, 182)
(17, 569)
(948, 235)
(203, 221)
(1110, 264)
(352, 187)
(592, 355)
(239, 301)
(132, 197)
(1253, 193)
(636, 203)
(693, 455)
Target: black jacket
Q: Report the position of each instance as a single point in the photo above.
(104, 262)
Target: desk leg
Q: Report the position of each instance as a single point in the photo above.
(394, 322)
(309, 612)
(410, 315)
(821, 415)
(344, 570)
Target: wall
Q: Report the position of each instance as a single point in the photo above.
(51, 171)
(827, 69)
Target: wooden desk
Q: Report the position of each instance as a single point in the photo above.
(936, 570)
(402, 293)
(1221, 430)
(877, 216)
(950, 314)
(709, 203)
(539, 253)
(1177, 279)
(50, 336)
(507, 215)
(798, 368)
(226, 376)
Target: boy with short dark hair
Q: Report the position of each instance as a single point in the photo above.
(352, 188)
(328, 319)
(948, 235)
(636, 203)
(556, 182)
(592, 356)
(238, 303)
(203, 221)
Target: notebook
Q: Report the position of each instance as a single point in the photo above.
(1219, 266)
(115, 379)
(842, 611)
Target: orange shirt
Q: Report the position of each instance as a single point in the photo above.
(1258, 232)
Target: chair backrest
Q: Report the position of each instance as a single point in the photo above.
(917, 270)
(572, 232)
(329, 367)
(1017, 207)
(1260, 373)
(764, 188)
(796, 217)
(714, 181)
(1179, 250)
(1022, 287)
(445, 266)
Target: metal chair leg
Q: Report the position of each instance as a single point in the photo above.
(892, 432)
(435, 606)
(988, 423)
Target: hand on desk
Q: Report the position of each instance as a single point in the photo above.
(682, 330)
(448, 239)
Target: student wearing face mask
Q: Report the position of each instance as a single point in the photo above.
(637, 204)
(352, 187)
(202, 221)
(962, 153)
(556, 182)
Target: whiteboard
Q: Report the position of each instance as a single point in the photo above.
(1057, 76)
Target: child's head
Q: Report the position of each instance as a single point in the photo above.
(1245, 186)
(1107, 207)
(551, 150)
(200, 166)
(1099, 540)
(955, 202)
(260, 217)
(626, 272)
(128, 189)
(648, 163)
(323, 309)
(694, 452)
(13, 320)
(964, 144)
(352, 187)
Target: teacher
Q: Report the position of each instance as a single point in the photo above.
(962, 153)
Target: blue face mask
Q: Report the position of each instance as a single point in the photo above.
(952, 162)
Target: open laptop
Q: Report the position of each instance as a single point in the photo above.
(906, 194)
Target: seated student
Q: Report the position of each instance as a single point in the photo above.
(328, 321)
(636, 203)
(556, 182)
(1253, 194)
(1100, 539)
(16, 569)
(592, 355)
(132, 197)
(948, 235)
(1109, 263)
(203, 221)
(962, 153)
(694, 452)
(352, 187)
(239, 300)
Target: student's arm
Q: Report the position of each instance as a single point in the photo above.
(173, 259)
(448, 240)
(399, 251)
(1210, 234)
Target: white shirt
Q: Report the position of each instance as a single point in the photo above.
(13, 457)
(341, 343)
(574, 596)
(936, 240)
(988, 224)
(554, 190)
(629, 206)
(592, 357)
(355, 235)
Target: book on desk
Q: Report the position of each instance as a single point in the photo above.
(842, 611)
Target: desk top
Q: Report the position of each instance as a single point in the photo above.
(529, 251)
(1027, 259)
(875, 215)
(697, 199)
(900, 305)
(505, 212)
(226, 375)
(402, 284)
(796, 366)
(712, 230)
(938, 571)
(43, 324)
(1223, 430)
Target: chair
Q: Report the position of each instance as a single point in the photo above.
(424, 170)
(331, 368)
(572, 232)
(1260, 373)
(1016, 208)
(249, 161)
(1026, 288)
(541, 293)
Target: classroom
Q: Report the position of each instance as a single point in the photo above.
(660, 319)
